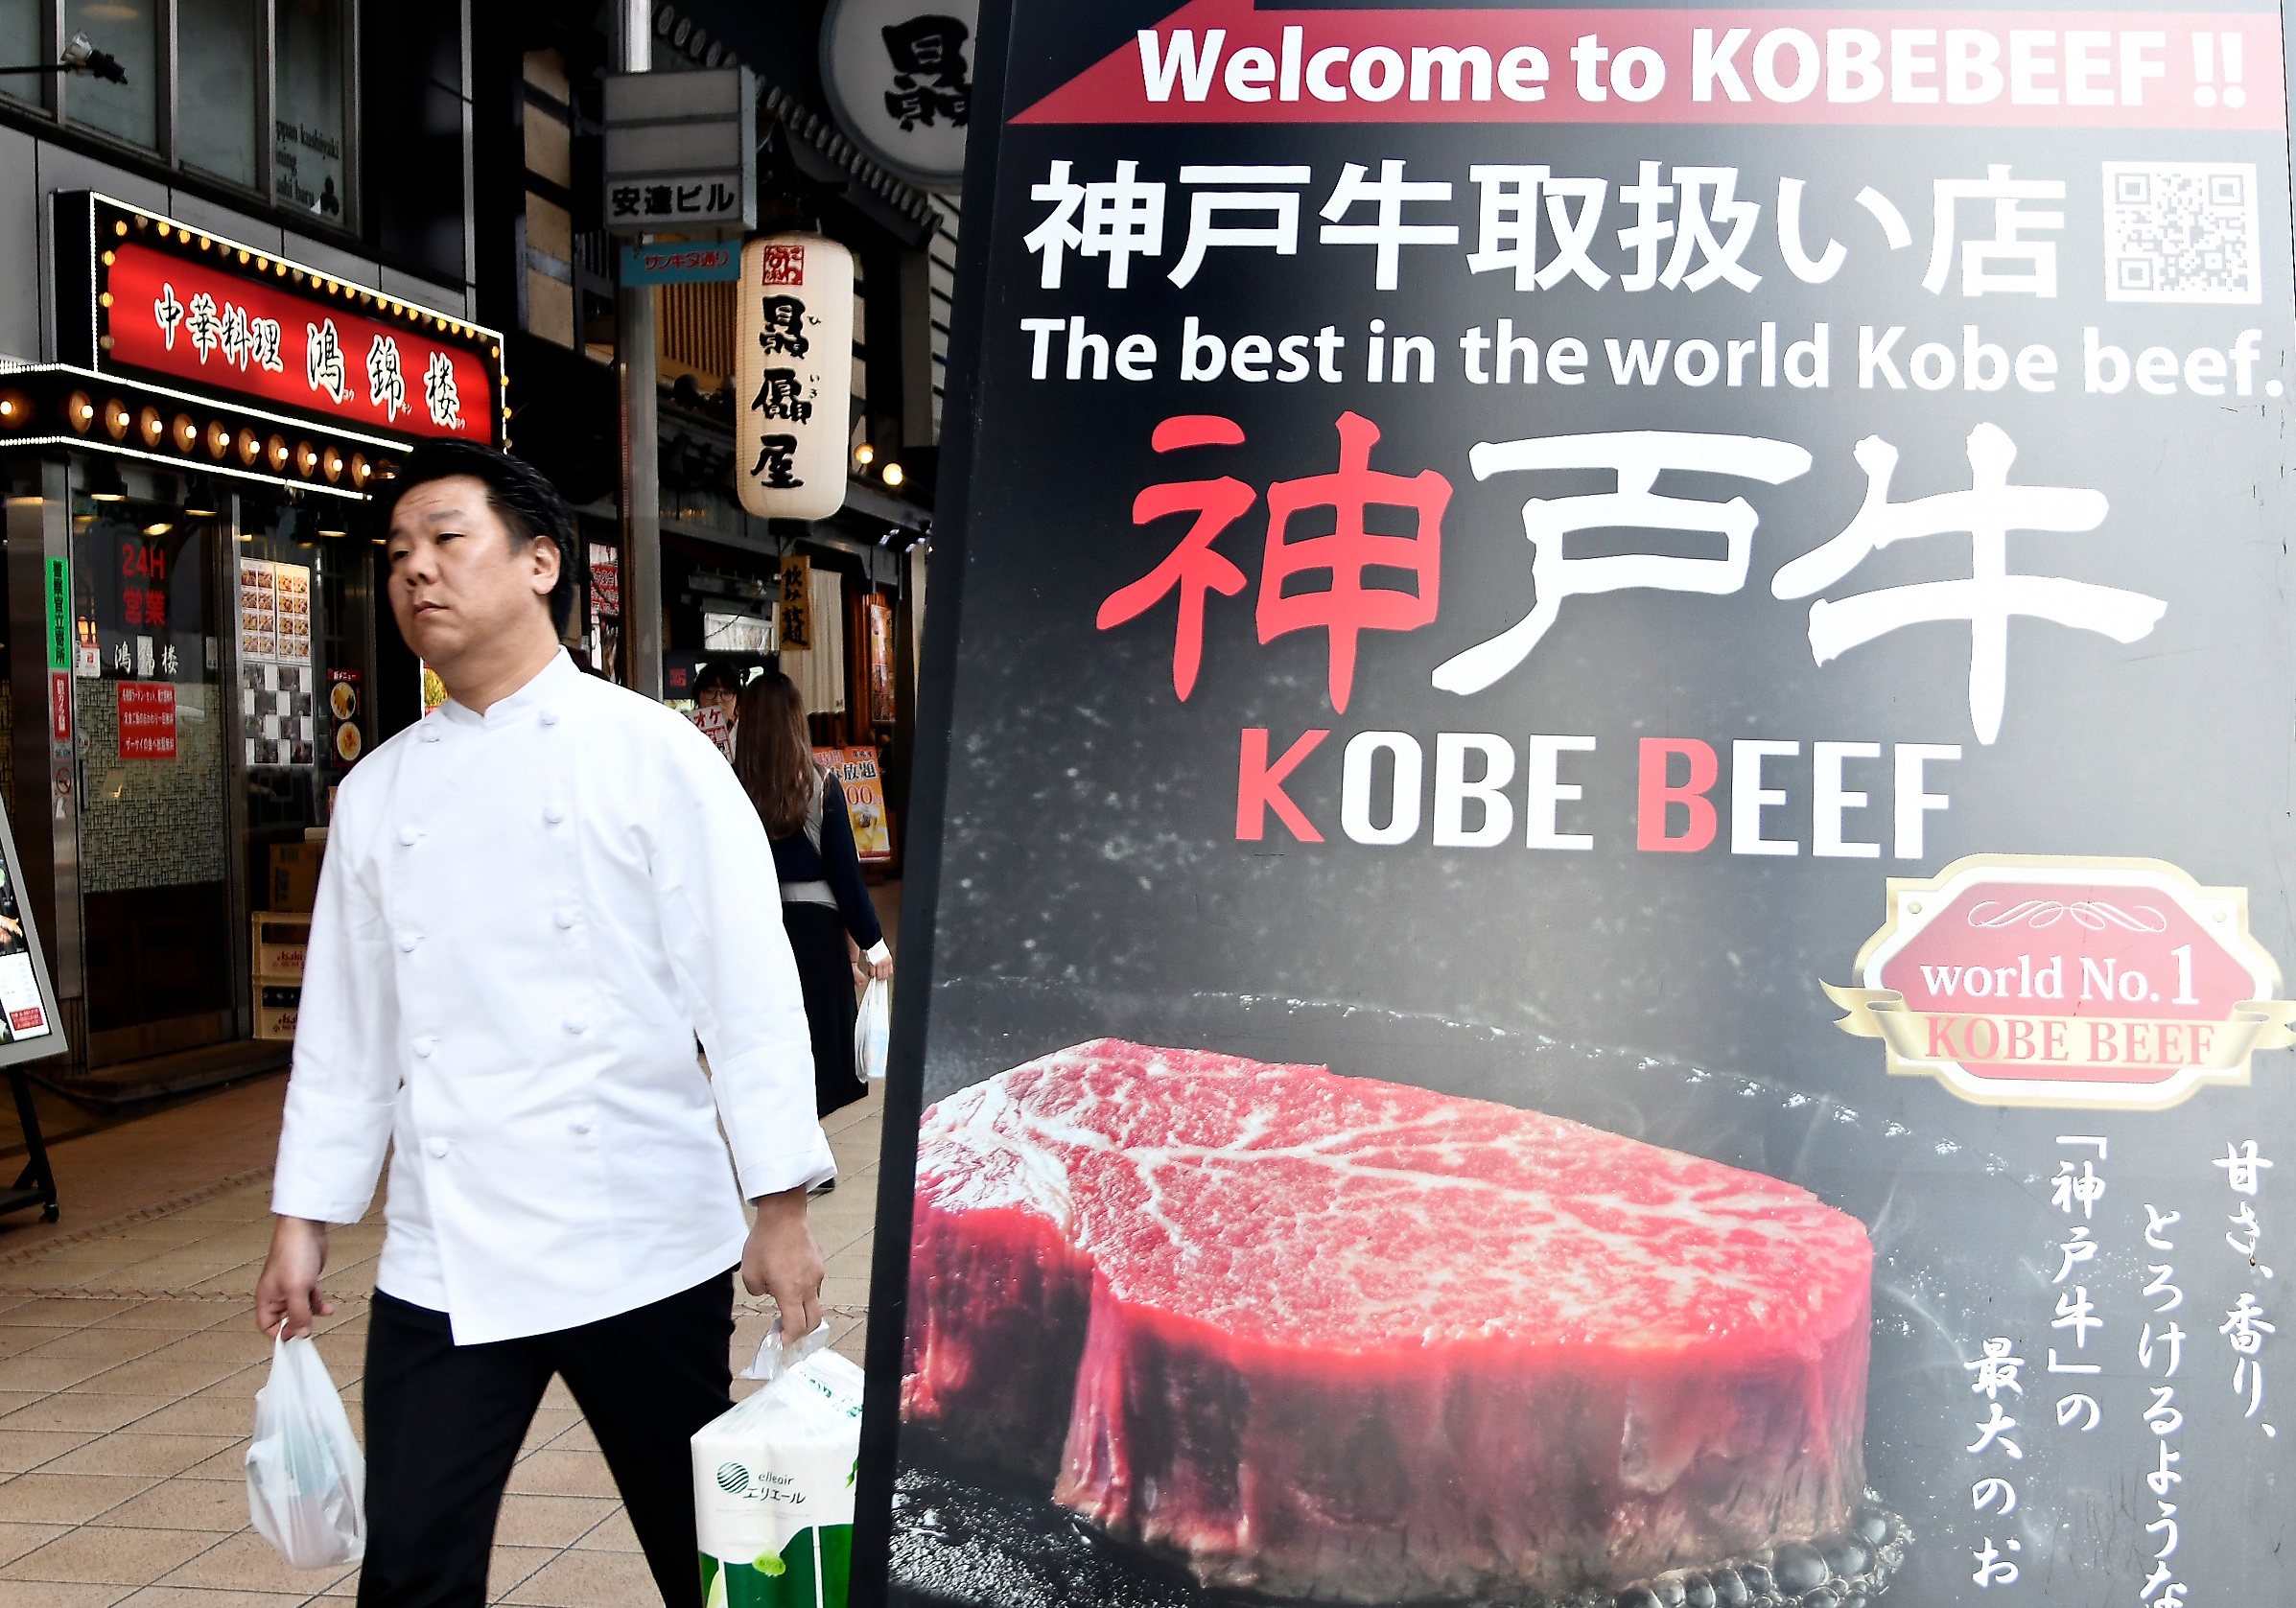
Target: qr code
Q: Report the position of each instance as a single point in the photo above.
(2182, 232)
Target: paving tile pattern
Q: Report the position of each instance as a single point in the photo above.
(129, 1366)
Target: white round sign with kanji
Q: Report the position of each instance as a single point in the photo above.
(900, 78)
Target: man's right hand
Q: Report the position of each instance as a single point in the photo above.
(289, 1291)
(781, 1260)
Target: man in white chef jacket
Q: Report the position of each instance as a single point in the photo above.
(534, 901)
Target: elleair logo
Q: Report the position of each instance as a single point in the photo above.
(2046, 981)
(732, 1479)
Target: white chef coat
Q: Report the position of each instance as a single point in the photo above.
(524, 919)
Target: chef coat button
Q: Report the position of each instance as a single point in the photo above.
(429, 731)
(582, 1127)
(408, 941)
(564, 918)
(424, 1046)
(575, 1024)
(553, 813)
(410, 835)
(438, 1149)
(550, 717)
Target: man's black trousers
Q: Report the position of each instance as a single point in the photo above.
(444, 1423)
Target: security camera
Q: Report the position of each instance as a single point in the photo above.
(83, 57)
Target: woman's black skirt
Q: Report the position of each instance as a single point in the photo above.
(817, 938)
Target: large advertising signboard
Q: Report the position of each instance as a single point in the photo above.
(1614, 875)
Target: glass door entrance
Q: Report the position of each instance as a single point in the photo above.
(154, 864)
(305, 652)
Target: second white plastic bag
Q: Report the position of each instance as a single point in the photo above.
(306, 1474)
(873, 1029)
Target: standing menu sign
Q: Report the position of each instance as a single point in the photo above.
(1614, 886)
(29, 1026)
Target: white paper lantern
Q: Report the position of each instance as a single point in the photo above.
(793, 376)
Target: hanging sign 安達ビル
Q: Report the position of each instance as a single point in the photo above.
(680, 151)
(169, 304)
(1657, 640)
(793, 376)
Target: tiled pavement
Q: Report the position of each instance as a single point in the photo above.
(128, 1365)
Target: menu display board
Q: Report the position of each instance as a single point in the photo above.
(343, 708)
(1608, 867)
(292, 596)
(258, 609)
(278, 702)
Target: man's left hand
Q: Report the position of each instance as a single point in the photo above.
(781, 1260)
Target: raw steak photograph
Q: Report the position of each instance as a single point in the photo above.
(1329, 1338)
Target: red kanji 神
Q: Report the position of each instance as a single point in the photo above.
(1345, 606)
(1348, 607)
(1192, 566)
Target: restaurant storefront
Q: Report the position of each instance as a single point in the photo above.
(195, 653)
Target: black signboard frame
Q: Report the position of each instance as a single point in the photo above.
(927, 969)
(920, 871)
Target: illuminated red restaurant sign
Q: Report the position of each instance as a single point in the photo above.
(170, 303)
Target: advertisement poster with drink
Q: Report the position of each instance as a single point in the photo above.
(1614, 875)
(857, 772)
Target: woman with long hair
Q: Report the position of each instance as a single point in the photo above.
(824, 896)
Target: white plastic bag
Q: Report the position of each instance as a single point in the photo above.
(872, 1029)
(777, 1356)
(773, 1481)
(306, 1476)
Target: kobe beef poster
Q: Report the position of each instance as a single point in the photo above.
(1615, 835)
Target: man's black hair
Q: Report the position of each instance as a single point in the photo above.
(520, 494)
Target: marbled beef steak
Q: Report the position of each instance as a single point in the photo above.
(1334, 1339)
